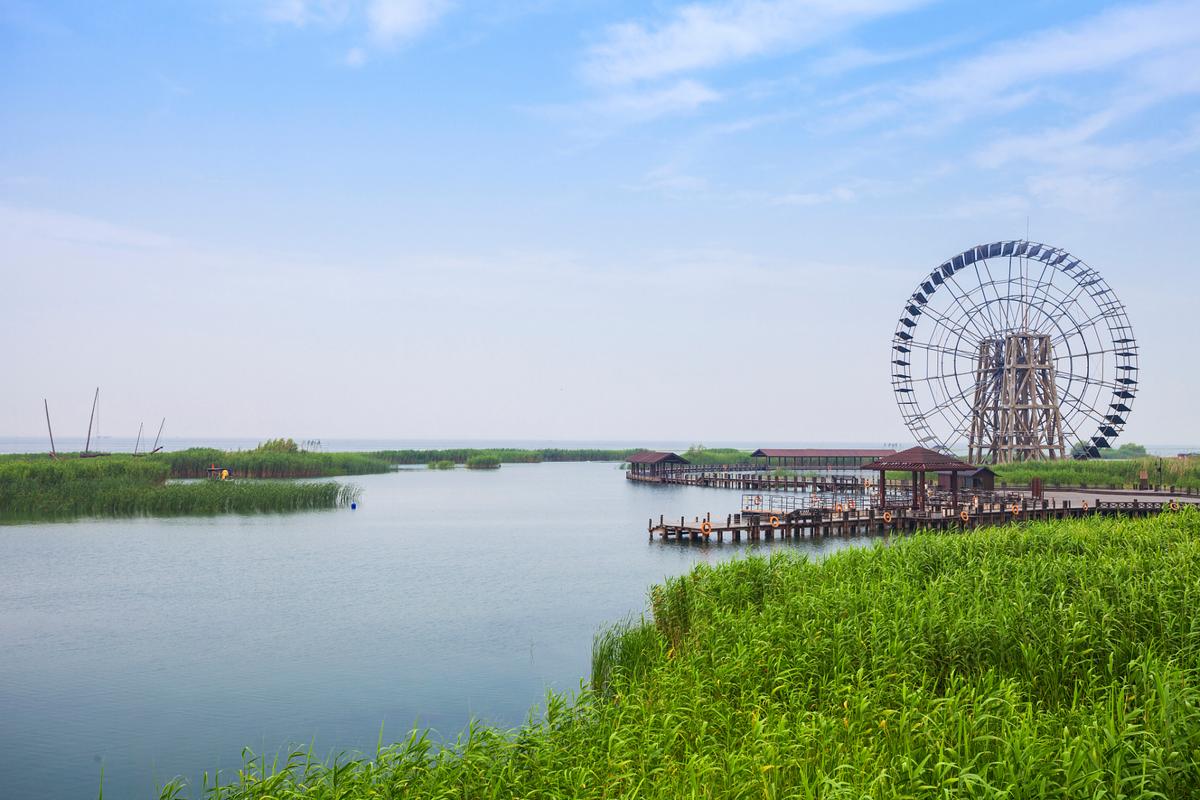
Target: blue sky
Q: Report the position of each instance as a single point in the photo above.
(586, 220)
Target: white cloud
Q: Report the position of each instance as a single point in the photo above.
(1099, 43)
(307, 12)
(686, 95)
(1088, 195)
(391, 21)
(382, 23)
(702, 35)
(39, 225)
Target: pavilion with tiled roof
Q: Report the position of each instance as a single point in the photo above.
(918, 461)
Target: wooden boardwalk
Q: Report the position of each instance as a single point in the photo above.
(760, 481)
(757, 525)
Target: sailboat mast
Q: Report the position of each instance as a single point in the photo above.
(53, 452)
(160, 427)
(87, 447)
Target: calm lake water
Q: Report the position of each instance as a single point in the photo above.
(157, 648)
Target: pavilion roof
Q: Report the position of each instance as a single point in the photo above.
(920, 459)
(783, 452)
(655, 457)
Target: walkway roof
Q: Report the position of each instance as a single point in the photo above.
(781, 452)
(653, 457)
(920, 459)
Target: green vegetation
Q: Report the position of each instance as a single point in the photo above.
(38, 487)
(1127, 450)
(270, 460)
(1046, 660)
(443, 464)
(483, 461)
(699, 454)
(1183, 473)
(506, 455)
(781, 472)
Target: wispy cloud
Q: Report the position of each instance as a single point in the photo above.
(380, 23)
(600, 117)
(393, 21)
(1102, 42)
(36, 224)
(302, 13)
(706, 35)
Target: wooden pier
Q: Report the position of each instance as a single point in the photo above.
(758, 481)
(757, 525)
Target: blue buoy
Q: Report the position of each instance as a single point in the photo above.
(353, 506)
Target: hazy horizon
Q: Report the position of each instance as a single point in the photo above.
(422, 219)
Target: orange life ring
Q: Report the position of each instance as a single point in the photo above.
(1084, 505)
(1174, 505)
(964, 515)
(887, 516)
(1014, 509)
(838, 508)
(706, 526)
(774, 521)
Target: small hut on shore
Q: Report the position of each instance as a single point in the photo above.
(982, 479)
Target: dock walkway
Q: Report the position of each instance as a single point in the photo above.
(756, 524)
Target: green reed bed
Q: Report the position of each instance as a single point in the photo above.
(1183, 473)
(1045, 660)
(41, 488)
(483, 461)
(194, 463)
(699, 454)
(443, 464)
(505, 455)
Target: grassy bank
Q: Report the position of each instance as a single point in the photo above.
(42, 488)
(1044, 660)
(1178, 472)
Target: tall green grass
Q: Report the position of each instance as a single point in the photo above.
(1047, 660)
(271, 463)
(699, 454)
(41, 488)
(483, 461)
(506, 455)
(1182, 473)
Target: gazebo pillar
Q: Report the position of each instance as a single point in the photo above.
(916, 503)
(954, 489)
(883, 489)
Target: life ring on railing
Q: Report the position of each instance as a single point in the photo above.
(887, 516)
(1014, 509)
(1174, 505)
(706, 527)
(964, 515)
(774, 521)
(758, 500)
(838, 508)
(1084, 505)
